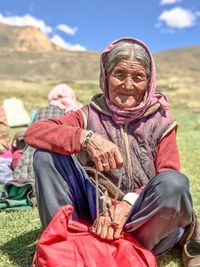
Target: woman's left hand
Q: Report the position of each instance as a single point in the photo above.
(109, 225)
(104, 153)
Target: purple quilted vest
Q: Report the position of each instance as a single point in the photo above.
(136, 141)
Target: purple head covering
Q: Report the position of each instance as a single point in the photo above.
(124, 116)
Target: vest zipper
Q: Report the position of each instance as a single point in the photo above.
(128, 166)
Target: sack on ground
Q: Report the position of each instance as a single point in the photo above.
(68, 243)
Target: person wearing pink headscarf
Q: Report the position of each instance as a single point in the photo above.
(126, 136)
(61, 100)
(63, 97)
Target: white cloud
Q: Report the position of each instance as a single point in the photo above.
(56, 39)
(26, 20)
(66, 29)
(168, 2)
(178, 18)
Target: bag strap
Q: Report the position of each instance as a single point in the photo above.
(112, 189)
(118, 194)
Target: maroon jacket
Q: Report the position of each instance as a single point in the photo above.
(154, 143)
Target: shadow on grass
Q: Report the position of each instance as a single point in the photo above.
(20, 250)
(171, 258)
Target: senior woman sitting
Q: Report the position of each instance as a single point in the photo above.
(127, 135)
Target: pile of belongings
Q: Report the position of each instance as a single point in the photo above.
(13, 194)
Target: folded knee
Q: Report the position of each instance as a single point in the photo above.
(41, 158)
(172, 195)
(171, 191)
(171, 183)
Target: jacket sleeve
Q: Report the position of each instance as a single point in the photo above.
(60, 135)
(167, 157)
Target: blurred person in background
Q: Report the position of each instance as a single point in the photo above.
(61, 100)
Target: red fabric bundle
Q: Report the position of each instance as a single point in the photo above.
(66, 243)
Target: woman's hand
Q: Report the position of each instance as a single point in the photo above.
(103, 152)
(110, 225)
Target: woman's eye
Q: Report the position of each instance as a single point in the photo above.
(119, 75)
(138, 79)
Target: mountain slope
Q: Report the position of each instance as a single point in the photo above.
(26, 51)
(24, 39)
(178, 75)
(180, 62)
(27, 55)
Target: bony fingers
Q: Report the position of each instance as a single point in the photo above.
(112, 164)
(99, 169)
(119, 164)
(98, 229)
(104, 231)
(100, 224)
(109, 163)
(118, 159)
(117, 233)
(99, 166)
(110, 233)
(106, 167)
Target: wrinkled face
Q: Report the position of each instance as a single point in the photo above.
(127, 84)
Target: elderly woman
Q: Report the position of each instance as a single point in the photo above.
(127, 136)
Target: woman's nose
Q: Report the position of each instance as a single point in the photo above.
(128, 83)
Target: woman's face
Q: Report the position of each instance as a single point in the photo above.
(127, 84)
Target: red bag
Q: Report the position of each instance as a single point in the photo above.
(66, 243)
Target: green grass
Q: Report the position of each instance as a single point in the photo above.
(188, 142)
(19, 231)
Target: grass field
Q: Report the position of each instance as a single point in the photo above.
(19, 231)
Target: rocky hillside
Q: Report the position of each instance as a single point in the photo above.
(24, 39)
(26, 53)
(178, 75)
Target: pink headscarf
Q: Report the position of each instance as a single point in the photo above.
(124, 116)
(64, 97)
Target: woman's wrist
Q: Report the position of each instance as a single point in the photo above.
(85, 138)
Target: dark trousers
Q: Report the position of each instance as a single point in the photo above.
(157, 219)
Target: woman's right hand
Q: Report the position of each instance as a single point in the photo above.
(110, 225)
(104, 153)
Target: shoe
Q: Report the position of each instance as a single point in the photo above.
(191, 254)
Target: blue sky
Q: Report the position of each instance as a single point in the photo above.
(93, 24)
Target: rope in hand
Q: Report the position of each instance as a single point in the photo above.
(114, 224)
